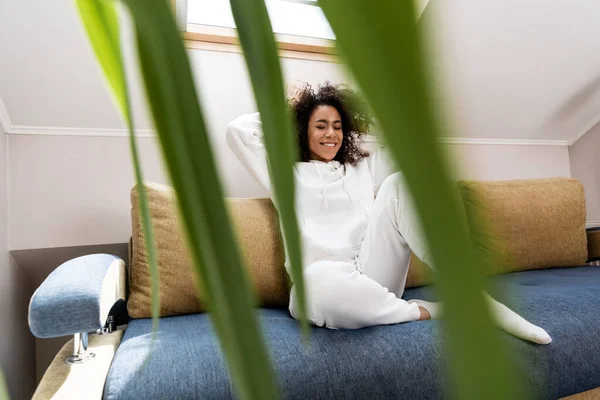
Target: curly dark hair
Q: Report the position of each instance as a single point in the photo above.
(356, 120)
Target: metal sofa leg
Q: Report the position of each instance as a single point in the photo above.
(80, 350)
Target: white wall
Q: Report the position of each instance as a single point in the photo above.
(502, 161)
(17, 357)
(585, 166)
(67, 191)
(74, 190)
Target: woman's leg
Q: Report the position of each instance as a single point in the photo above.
(393, 231)
(340, 297)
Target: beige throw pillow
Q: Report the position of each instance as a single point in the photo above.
(256, 228)
(531, 224)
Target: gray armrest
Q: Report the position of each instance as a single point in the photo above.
(77, 296)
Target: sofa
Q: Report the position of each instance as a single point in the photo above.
(549, 274)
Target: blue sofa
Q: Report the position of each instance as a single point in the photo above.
(381, 362)
(395, 361)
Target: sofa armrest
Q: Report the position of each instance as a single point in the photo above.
(77, 296)
(79, 381)
(593, 239)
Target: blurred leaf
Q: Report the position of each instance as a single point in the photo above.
(101, 23)
(257, 40)
(3, 387)
(100, 20)
(382, 46)
(186, 147)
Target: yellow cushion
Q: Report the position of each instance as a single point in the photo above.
(255, 223)
(530, 224)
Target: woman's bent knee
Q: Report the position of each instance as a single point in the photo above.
(327, 293)
(340, 297)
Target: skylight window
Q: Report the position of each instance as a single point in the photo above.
(298, 25)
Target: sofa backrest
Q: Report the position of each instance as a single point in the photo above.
(530, 224)
(536, 223)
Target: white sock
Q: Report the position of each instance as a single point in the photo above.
(516, 325)
(505, 318)
(433, 308)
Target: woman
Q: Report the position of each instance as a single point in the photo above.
(356, 219)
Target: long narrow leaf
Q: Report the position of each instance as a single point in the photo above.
(186, 147)
(3, 388)
(256, 37)
(381, 44)
(102, 26)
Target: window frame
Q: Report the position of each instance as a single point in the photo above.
(208, 37)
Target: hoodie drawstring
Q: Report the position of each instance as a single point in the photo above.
(324, 189)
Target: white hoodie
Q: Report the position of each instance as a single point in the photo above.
(333, 201)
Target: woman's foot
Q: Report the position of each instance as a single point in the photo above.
(516, 325)
(504, 317)
(429, 310)
(425, 315)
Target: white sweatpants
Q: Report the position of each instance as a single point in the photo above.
(355, 294)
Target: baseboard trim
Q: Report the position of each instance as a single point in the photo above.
(480, 141)
(63, 131)
(11, 129)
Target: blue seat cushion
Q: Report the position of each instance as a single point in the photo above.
(381, 362)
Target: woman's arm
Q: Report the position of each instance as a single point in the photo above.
(245, 139)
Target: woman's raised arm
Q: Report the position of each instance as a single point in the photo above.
(245, 139)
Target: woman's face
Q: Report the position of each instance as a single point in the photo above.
(324, 133)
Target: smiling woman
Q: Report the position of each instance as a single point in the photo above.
(336, 209)
(357, 220)
(331, 123)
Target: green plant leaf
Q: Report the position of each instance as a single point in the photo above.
(184, 140)
(101, 23)
(100, 20)
(257, 40)
(382, 47)
(3, 387)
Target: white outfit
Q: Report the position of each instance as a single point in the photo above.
(356, 249)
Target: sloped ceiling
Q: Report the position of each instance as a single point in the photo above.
(524, 69)
(508, 69)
